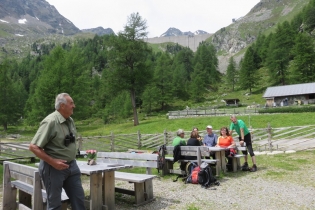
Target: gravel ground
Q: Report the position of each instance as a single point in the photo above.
(249, 191)
(241, 190)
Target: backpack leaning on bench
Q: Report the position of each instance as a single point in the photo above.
(192, 171)
(205, 176)
(161, 157)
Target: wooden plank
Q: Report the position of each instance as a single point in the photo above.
(23, 186)
(95, 191)
(131, 177)
(109, 189)
(125, 191)
(23, 169)
(37, 192)
(139, 193)
(151, 164)
(31, 192)
(9, 193)
(22, 177)
(22, 207)
(148, 189)
(125, 155)
(241, 148)
(18, 146)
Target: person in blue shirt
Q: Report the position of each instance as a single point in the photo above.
(210, 140)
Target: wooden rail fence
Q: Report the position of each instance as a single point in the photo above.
(263, 139)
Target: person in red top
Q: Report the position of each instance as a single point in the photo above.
(226, 141)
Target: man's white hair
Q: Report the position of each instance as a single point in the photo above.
(60, 99)
(232, 116)
(179, 131)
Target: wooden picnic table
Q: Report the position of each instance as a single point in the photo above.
(220, 155)
(102, 183)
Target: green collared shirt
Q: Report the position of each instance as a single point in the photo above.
(51, 136)
(237, 127)
(178, 141)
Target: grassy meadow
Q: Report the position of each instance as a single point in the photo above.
(159, 122)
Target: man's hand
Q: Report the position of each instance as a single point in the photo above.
(242, 143)
(59, 164)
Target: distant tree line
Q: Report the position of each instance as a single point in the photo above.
(110, 77)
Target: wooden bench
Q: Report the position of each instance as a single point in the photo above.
(236, 163)
(31, 193)
(143, 184)
(199, 152)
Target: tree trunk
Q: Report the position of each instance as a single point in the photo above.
(5, 126)
(134, 107)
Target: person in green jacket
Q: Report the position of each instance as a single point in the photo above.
(179, 139)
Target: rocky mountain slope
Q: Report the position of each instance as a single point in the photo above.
(263, 18)
(33, 17)
(99, 31)
(176, 32)
(22, 22)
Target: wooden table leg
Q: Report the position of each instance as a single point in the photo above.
(223, 160)
(218, 156)
(109, 189)
(96, 201)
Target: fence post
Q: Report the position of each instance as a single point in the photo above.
(112, 146)
(269, 137)
(139, 139)
(165, 137)
(80, 143)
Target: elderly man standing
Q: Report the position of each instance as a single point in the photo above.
(210, 140)
(54, 143)
(244, 137)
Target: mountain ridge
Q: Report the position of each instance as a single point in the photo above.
(176, 32)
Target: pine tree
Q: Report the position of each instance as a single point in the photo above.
(12, 95)
(128, 66)
(279, 53)
(198, 83)
(231, 74)
(248, 71)
(303, 65)
(206, 57)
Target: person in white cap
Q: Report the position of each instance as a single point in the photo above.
(210, 140)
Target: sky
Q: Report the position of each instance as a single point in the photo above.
(160, 15)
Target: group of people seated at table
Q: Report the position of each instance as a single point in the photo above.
(210, 140)
(224, 140)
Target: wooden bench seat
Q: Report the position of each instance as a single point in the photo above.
(197, 151)
(236, 163)
(141, 181)
(25, 181)
(143, 184)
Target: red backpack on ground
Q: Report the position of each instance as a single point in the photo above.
(193, 176)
